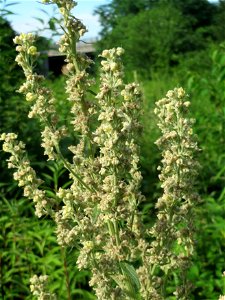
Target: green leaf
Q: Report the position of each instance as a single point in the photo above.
(214, 55)
(6, 12)
(68, 183)
(47, 176)
(39, 19)
(44, 11)
(51, 24)
(131, 274)
(222, 196)
(194, 272)
(129, 281)
(12, 3)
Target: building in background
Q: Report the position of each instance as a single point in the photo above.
(54, 62)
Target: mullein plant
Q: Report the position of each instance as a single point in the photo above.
(98, 214)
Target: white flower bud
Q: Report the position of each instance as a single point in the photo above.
(30, 97)
(17, 40)
(180, 92)
(105, 54)
(120, 51)
(32, 50)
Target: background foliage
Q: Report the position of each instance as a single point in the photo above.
(168, 43)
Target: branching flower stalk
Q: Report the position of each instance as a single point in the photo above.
(26, 175)
(98, 213)
(174, 243)
(79, 82)
(119, 194)
(39, 288)
(40, 97)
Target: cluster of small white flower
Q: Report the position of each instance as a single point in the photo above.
(99, 210)
(173, 245)
(25, 174)
(41, 99)
(120, 178)
(38, 287)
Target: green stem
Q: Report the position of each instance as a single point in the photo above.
(67, 277)
(73, 41)
(67, 166)
(116, 230)
(65, 162)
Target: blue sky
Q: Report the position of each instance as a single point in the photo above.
(26, 10)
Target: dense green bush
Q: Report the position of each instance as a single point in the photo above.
(156, 33)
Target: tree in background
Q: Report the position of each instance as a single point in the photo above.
(218, 22)
(154, 33)
(110, 14)
(12, 107)
(9, 74)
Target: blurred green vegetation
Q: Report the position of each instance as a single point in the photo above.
(168, 44)
(156, 34)
(206, 90)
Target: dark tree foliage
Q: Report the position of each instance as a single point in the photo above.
(198, 30)
(155, 32)
(219, 21)
(7, 50)
(13, 107)
(199, 13)
(10, 76)
(10, 103)
(110, 14)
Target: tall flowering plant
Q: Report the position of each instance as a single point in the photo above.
(174, 228)
(98, 213)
